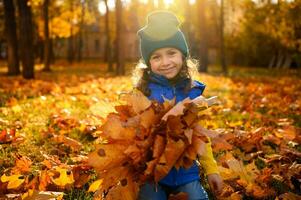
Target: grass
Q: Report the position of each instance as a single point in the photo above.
(68, 91)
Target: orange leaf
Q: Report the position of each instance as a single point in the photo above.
(44, 180)
(107, 156)
(188, 133)
(138, 101)
(114, 128)
(179, 196)
(128, 190)
(134, 153)
(148, 118)
(198, 145)
(159, 145)
(22, 165)
(74, 144)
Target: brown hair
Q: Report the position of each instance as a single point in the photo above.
(141, 75)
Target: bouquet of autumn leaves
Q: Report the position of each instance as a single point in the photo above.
(143, 140)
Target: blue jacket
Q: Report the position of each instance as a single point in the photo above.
(160, 86)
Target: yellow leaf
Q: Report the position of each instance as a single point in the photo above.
(14, 181)
(42, 195)
(95, 185)
(66, 177)
(17, 109)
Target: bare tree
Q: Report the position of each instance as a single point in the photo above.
(26, 39)
(204, 37)
(119, 40)
(11, 38)
(46, 34)
(70, 50)
(222, 42)
(80, 33)
(108, 51)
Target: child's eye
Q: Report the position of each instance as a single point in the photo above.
(155, 57)
(171, 53)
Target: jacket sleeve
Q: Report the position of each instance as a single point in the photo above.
(208, 161)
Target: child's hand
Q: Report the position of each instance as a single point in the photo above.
(216, 183)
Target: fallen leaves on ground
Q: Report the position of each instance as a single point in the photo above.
(49, 125)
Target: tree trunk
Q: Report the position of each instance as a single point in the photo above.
(80, 33)
(11, 38)
(204, 37)
(70, 50)
(119, 39)
(108, 51)
(187, 22)
(26, 39)
(46, 34)
(222, 42)
(161, 4)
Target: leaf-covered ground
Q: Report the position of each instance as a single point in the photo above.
(50, 124)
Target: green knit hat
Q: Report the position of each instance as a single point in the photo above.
(162, 30)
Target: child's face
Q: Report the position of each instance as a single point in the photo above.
(166, 62)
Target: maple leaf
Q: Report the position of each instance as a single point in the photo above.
(127, 189)
(44, 180)
(22, 165)
(116, 129)
(95, 185)
(42, 195)
(159, 146)
(148, 118)
(172, 152)
(138, 101)
(14, 181)
(179, 196)
(134, 153)
(111, 178)
(65, 177)
(142, 146)
(81, 175)
(200, 101)
(107, 156)
(74, 144)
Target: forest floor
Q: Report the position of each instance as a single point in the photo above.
(49, 125)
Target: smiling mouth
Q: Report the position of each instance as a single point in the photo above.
(167, 70)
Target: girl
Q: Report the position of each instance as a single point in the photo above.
(166, 75)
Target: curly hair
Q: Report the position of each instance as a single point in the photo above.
(141, 75)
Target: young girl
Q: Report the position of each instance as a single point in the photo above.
(166, 76)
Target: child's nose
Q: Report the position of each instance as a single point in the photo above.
(165, 60)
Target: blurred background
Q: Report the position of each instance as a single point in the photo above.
(254, 33)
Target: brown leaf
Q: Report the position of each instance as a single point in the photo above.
(134, 153)
(110, 156)
(172, 153)
(128, 190)
(198, 145)
(114, 128)
(148, 118)
(161, 170)
(175, 127)
(22, 165)
(74, 144)
(150, 166)
(159, 145)
(138, 101)
(179, 196)
(188, 133)
(177, 109)
(190, 118)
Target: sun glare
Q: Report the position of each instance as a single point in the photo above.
(168, 2)
(102, 6)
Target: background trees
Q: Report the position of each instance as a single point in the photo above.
(236, 32)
